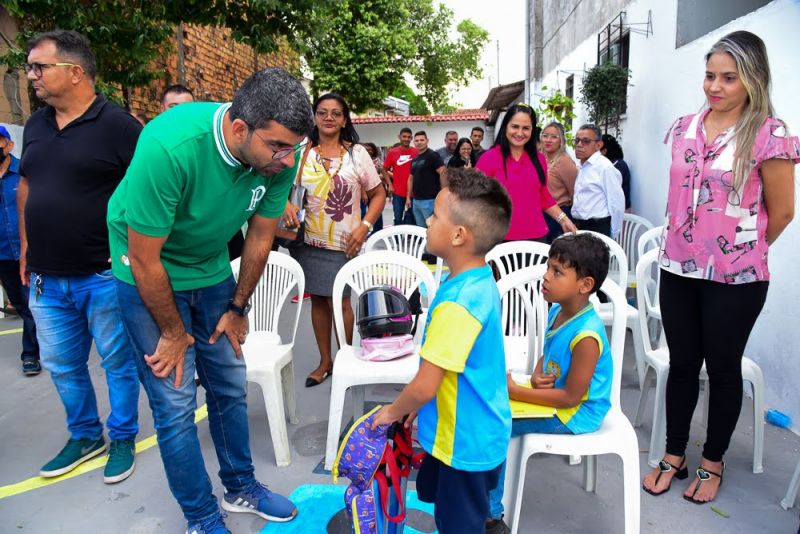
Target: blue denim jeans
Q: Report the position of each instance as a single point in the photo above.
(422, 210)
(401, 214)
(222, 375)
(18, 295)
(70, 312)
(548, 425)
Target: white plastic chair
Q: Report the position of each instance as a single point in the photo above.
(269, 360)
(656, 366)
(632, 228)
(404, 238)
(615, 436)
(397, 269)
(791, 491)
(509, 258)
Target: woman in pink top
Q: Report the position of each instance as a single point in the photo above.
(515, 163)
(731, 195)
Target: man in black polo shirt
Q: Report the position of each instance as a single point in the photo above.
(75, 152)
(427, 178)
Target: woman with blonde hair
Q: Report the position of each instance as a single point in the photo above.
(731, 195)
(561, 173)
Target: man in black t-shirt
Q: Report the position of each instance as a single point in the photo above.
(427, 178)
(75, 152)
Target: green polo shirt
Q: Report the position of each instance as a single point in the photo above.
(184, 183)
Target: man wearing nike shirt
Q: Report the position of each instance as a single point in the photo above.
(398, 165)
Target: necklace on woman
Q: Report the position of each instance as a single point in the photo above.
(551, 161)
(326, 162)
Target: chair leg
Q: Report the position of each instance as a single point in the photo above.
(757, 380)
(574, 459)
(631, 484)
(658, 434)
(590, 473)
(276, 416)
(287, 378)
(334, 421)
(638, 349)
(706, 400)
(643, 394)
(511, 480)
(791, 491)
(358, 393)
(514, 516)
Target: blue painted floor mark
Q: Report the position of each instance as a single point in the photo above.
(318, 503)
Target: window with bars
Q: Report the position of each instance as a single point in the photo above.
(613, 45)
(569, 92)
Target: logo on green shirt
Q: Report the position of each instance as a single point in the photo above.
(258, 194)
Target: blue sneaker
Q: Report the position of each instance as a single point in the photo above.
(262, 502)
(215, 525)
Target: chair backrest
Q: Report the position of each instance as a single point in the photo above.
(619, 306)
(648, 240)
(633, 226)
(281, 275)
(521, 297)
(380, 267)
(404, 238)
(507, 258)
(618, 267)
(647, 272)
(515, 255)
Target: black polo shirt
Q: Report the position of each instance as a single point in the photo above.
(71, 174)
(426, 179)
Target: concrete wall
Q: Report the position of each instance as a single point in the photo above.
(667, 83)
(385, 134)
(14, 104)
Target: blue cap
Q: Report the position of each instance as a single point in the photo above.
(4, 132)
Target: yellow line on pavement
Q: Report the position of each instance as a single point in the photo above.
(12, 331)
(39, 482)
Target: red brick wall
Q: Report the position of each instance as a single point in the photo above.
(214, 67)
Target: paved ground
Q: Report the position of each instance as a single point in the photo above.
(33, 430)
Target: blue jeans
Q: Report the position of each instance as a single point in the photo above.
(18, 296)
(222, 376)
(422, 210)
(401, 214)
(548, 425)
(70, 312)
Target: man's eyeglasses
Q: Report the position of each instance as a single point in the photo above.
(37, 68)
(336, 114)
(585, 140)
(280, 153)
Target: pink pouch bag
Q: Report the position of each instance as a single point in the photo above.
(381, 349)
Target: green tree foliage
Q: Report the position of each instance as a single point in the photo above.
(604, 92)
(128, 36)
(362, 49)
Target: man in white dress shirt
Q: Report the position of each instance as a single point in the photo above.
(598, 203)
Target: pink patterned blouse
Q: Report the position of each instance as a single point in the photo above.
(713, 231)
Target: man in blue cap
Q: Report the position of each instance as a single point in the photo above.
(9, 253)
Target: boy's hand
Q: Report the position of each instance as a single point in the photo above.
(543, 381)
(410, 420)
(510, 382)
(385, 416)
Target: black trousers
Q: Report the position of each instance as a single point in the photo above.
(18, 295)
(601, 226)
(706, 321)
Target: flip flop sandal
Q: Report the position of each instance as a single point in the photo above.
(703, 475)
(666, 467)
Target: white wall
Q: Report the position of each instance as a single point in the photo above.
(667, 83)
(385, 134)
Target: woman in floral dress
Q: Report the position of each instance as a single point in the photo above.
(334, 171)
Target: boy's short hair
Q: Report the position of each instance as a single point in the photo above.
(405, 130)
(481, 204)
(421, 132)
(585, 253)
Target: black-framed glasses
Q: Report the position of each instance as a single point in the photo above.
(584, 141)
(280, 153)
(334, 113)
(37, 68)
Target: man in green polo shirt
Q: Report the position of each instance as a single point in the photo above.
(199, 172)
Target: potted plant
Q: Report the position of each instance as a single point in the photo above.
(557, 107)
(604, 92)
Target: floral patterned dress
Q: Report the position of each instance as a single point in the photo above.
(332, 202)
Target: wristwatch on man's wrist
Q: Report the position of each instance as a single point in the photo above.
(367, 224)
(241, 311)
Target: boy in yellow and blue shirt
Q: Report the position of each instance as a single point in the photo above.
(464, 421)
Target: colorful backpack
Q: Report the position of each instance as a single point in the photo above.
(378, 471)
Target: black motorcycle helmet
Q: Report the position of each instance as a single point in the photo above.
(383, 311)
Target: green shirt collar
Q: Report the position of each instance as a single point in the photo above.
(219, 139)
